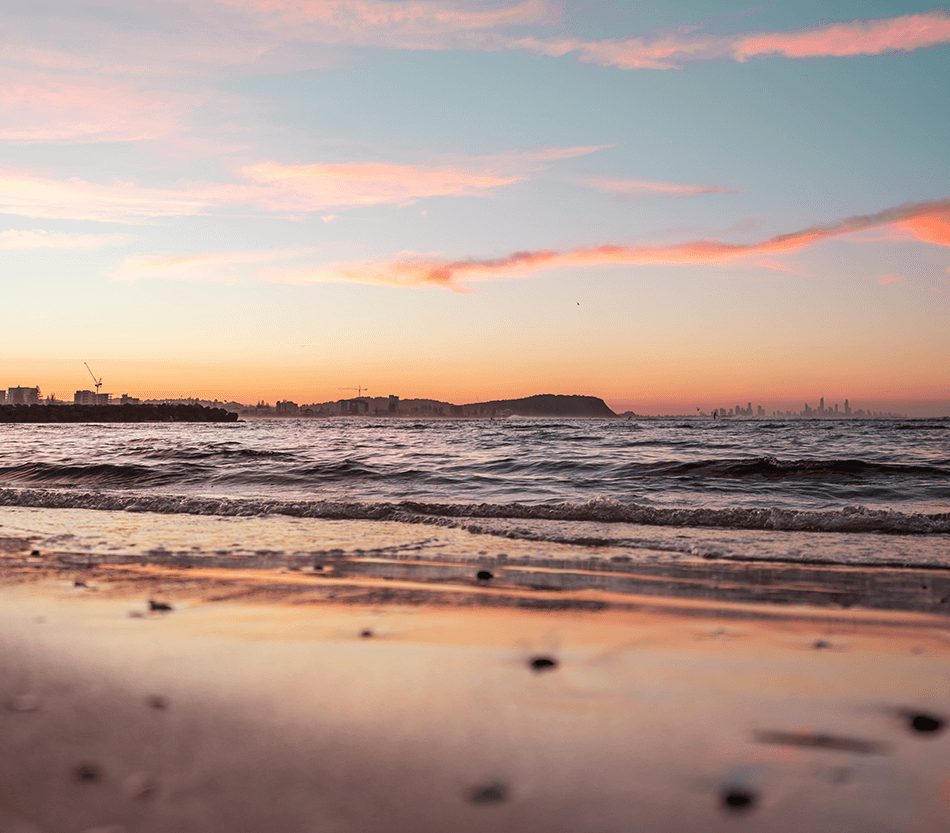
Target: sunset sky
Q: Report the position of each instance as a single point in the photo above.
(668, 205)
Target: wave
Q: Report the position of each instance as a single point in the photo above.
(213, 454)
(774, 469)
(101, 474)
(850, 519)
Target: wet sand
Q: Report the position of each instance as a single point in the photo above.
(196, 696)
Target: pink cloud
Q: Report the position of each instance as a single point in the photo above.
(872, 37)
(635, 187)
(319, 187)
(860, 37)
(630, 53)
(372, 22)
(38, 239)
(445, 273)
(75, 199)
(884, 280)
(273, 187)
(39, 107)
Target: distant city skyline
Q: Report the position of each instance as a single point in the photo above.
(765, 408)
(670, 206)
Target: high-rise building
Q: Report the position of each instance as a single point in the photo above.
(23, 396)
(88, 397)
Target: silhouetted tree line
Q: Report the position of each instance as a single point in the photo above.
(114, 413)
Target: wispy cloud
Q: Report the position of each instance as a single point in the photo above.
(928, 221)
(75, 199)
(419, 25)
(628, 188)
(859, 37)
(217, 267)
(275, 187)
(39, 107)
(409, 270)
(195, 38)
(319, 187)
(39, 239)
(624, 53)
(885, 280)
(904, 33)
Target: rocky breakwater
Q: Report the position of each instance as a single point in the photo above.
(114, 413)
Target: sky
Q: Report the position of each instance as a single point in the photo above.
(670, 206)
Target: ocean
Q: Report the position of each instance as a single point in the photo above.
(639, 505)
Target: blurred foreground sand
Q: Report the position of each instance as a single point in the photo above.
(247, 707)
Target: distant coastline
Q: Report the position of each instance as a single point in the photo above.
(566, 406)
(543, 406)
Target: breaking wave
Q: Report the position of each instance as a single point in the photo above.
(850, 519)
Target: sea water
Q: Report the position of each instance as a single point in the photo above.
(853, 492)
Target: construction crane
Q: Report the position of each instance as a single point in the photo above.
(359, 389)
(94, 379)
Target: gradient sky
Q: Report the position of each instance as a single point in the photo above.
(669, 206)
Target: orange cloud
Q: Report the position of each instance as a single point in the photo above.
(420, 271)
(636, 187)
(930, 228)
(859, 37)
(427, 272)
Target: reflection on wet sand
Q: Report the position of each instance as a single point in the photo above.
(270, 692)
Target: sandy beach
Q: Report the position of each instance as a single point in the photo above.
(144, 697)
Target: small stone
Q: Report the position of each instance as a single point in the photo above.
(88, 774)
(925, 723)
(738, 800)
(496, 793)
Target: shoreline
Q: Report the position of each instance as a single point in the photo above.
(770, 589)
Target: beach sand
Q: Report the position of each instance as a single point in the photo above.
(139, 697)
